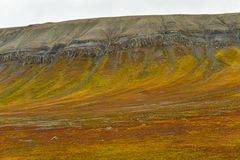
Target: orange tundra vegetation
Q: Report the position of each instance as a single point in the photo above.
(122, 106)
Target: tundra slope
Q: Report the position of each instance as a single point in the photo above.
(148, 87)
(82, 59)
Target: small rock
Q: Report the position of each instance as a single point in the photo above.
(185, 119)
(54, 138)
(109, 128)
(143, 125)
(26, 140)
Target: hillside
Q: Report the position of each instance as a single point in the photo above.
(145, 87)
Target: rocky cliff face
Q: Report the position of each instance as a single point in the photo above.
(202, 35)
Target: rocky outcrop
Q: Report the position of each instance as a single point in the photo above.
(201, 40)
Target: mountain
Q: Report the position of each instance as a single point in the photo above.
(140, 87)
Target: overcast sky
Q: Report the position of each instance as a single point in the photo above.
(25, 12)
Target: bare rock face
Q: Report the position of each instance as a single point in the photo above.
(203, 35)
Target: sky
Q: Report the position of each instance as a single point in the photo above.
(25, 12)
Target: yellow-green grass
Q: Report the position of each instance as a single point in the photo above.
(121, 108)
